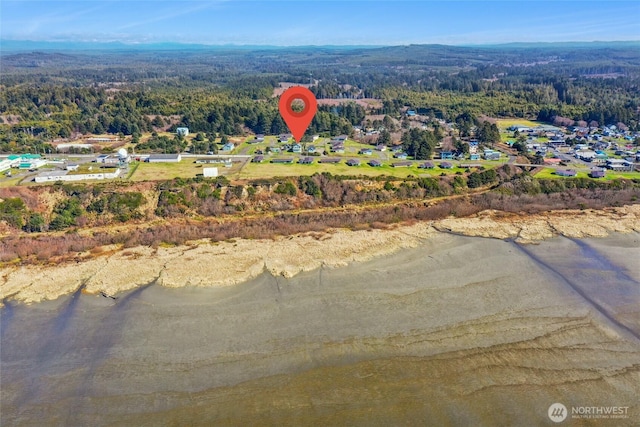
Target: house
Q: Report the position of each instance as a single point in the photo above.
(341, 138)
(366, 151)
(101, 158)
(72, 166)
(285, 137)
(257, 159)
(411, 113)
(381, 147)
(446, 155)
(182, 131)
(353, 162)
(337, 148)
(519, 128)
(305, 160)
(258, 138)
(597, 173)
(556, 142)
(108, 159)
(585, 155)
(375, 163)
(311, 149)
(474, 156)
(446, 165)
(401, 155)
(426, 165)
(286, 161)
(566, 172)
(332, 160)
(619, 165)
(229, 146)
(491, 155)
(551, 161)
(164, 158)
(402, 164)
(296, 148)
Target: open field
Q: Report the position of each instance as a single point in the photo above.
(505, 123)
(9, 181)
(184, 169)
(267, 170)
(92, 168)
(583, 173)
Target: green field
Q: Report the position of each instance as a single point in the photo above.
(505, 123)
(89, 168)
(9, 181)
(549, 173)
(184, 169)
(267, 170)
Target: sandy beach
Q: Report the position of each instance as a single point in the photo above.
(203, 263)
(454, 331)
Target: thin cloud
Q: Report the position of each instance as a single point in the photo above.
(171, 15)
(33, 24)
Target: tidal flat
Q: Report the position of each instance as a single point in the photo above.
(456, 331)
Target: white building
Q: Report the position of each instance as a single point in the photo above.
(164, 158)
(5, 164)
(80, 146)
(60, 175)
(182, 131)
(210, 172)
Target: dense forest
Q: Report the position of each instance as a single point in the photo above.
(47, 94)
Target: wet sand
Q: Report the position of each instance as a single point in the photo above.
(456, 331)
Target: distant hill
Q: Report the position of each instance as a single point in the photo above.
(31, 45)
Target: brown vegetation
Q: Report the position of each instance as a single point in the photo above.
(68, 246)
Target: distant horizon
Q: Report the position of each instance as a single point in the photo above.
(16, 45)
(319, 23)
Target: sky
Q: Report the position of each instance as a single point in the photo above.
(320, 22)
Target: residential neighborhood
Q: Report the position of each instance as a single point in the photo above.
(593, 152)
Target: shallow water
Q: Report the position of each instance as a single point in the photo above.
(459, 331)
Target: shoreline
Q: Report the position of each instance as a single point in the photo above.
(219, 264)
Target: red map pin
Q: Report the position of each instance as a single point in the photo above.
(298, 121)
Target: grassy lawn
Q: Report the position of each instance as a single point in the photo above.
(549, 173)
(505, 123)
(88, 168)
(268, 170)
(9, 181)
(184, 169)
(626, 175)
